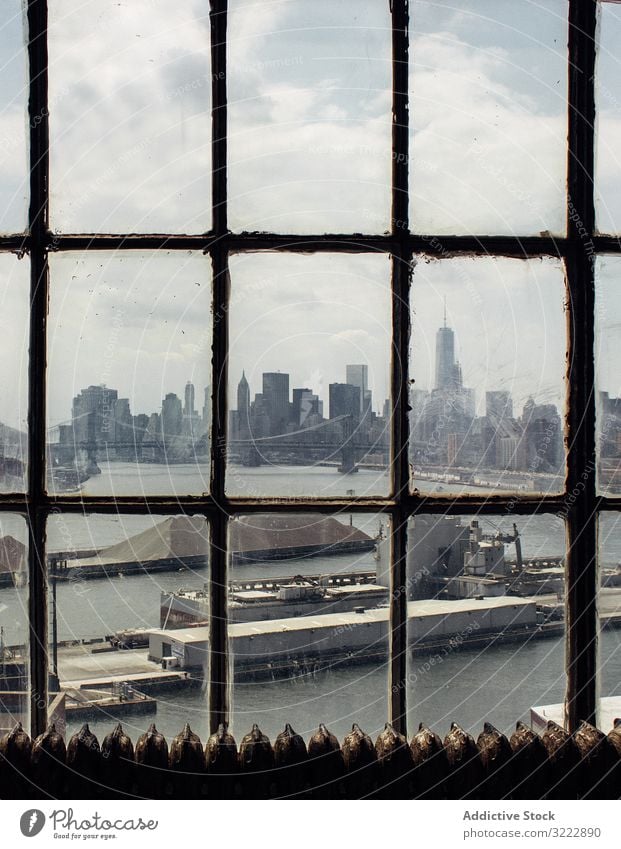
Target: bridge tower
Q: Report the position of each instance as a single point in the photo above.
(348, 459)
(250, 455)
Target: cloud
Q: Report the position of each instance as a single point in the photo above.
(508, 319)
(487, 156)
(130, 124)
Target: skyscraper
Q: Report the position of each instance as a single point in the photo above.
(93, 415)
(358, 375)
(276, 397)
(448, 373)
(172, 416)
(188, 409)
(243, 396)
(344, 400)
(498, 404)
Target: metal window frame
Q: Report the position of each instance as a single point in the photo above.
(575, 249)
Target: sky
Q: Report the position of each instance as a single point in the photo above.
(608, 148)
(509, 322)
(13, 124)
(310, 316)
(309, 131)
(488, 87)
(130, 125)
(136, 321)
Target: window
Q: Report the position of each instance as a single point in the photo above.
(177, 210)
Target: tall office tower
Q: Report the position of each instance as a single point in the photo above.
(188, 409)
(498, 404)
(358, 375)
(543, 433)
(123, 422)
(93, 415)
(302, 405)
(172, 415)
(243, 396)
(276, 397)
(445, 358)
(344, 400)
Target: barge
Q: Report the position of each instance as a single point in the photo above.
(182, 542)
(296, 645)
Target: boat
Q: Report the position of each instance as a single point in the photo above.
(276, 598)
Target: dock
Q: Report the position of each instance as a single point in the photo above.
(311, 642)
(80, 670)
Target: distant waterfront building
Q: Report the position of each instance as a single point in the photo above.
(305, 405)
(243, 397)
(192, 423)
(508, 453)
(124, 438)
(443, 417)
(344, 400)
(358, 375)
(93, 415)
(172, 416)
(498, 404)
(240, 426)
(276, 398)
(188, 408)
(448, 372)
(543, 436)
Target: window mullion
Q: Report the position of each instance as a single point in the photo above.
(38, 225)
(400, 483)
(218, 575)
(399, 383)
(581, 576)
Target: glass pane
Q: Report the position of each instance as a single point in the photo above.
(488, 89)
(129, 373)
(14, 651)
(609, 609)
(14, 142)
(607, 347)
(308, 622)
(608, 117)
(485, 621)
(488, 376)
(309, 111)
(130, 122)
(109, 582)
(14, 324)
(309, 375)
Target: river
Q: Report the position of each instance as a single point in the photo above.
(498, 683)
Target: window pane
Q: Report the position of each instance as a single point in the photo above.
(309, 113)
(310, 648)
(309, 375)
(111, 576)
(489, 116)
(129, 373)
(607, 347)
(14, 323)
(130, 123)
(608, 112)
(14, 143)
(14, 650)
(487, 368)
(485, 621)
(609, 609)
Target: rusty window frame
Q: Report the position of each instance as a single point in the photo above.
(575, 250)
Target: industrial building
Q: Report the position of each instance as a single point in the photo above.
(286, 643)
